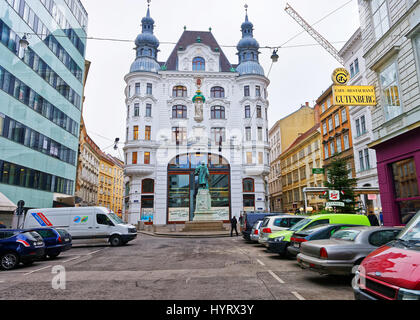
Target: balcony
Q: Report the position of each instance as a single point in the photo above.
(139, 170)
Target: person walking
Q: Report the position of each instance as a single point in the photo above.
(373, 219)
(233, 223)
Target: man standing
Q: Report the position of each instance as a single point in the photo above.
(373, 219)
(233, 223)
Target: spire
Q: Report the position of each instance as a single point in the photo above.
(146, 46)
(248, 49)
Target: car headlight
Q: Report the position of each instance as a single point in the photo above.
(404, 294)
(279, 239)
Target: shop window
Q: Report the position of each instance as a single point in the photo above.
(248, 185)
(148, 186)
(249, 202)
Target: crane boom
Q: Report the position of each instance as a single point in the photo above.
(320, 39)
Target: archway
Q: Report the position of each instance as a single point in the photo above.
(183, 186)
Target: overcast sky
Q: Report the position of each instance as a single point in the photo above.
(301, 74)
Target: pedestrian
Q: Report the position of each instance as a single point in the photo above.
(2, 225)
(373, 219)
(233, 223)
(381, 218)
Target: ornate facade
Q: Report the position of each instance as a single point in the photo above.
(195, 107)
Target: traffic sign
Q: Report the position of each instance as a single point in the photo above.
(318, 171)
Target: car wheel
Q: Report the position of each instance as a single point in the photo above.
(53, 256)
(9, 261)
(115, 241)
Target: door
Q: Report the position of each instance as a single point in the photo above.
(103, 226)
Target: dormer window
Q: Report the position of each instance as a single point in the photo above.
(199, 64)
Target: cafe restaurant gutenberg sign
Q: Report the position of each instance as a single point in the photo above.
(344, 95)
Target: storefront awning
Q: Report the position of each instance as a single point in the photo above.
(6, 205)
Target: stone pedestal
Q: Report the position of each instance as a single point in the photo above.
(203, 210)
(206, 226)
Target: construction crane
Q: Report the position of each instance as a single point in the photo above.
(320, 39)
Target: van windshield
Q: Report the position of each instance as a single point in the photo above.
(300, 224)
(115, 218)
(411, 232)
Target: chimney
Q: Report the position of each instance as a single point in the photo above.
(317, 114)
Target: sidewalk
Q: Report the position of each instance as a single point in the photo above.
(175, 231)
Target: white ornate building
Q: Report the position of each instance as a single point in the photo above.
(166, 139)
(361, 125)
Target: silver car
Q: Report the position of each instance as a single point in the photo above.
(344, 250)
(255, 232)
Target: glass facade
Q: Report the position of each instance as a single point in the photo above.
(40, 98)
(182, 186)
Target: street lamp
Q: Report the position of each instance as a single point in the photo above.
(275, 56)
(23, 44)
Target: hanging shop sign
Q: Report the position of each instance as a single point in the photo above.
(354, 95)
(318, 171)
(340, 76)
(334, 195)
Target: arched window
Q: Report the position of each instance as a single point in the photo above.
(217, 92)
(199, 64)
(218, 112)
(248, 185)
(179, 92)
(179, 112)
(148, 186)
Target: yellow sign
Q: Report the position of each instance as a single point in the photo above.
(354, 96)
(340, 76)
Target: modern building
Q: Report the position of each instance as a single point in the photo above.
(284, 132)
(195, 107)
(297, 163)
(361, 125)
(41, 86)
(336, 132)
(391, 47)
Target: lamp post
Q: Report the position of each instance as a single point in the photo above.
(275, 56)
(24, 44)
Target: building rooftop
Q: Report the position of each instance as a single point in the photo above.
(190, 37)
(302, 137)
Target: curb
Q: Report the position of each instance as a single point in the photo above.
(178, 235)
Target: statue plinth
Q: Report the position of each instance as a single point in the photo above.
(203, 210)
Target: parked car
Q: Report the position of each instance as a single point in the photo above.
(279, 241)
(255, 232)
(248, 220)
(17, 246)
(316, 233)
(276, 223)
(392, 272)
(83, 223)
(344, 250)
(56, 241)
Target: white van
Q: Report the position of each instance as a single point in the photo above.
(83, 223)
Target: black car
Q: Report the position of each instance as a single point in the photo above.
(18, 246)
(56, 241)
(316, 233)
(248, 220)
